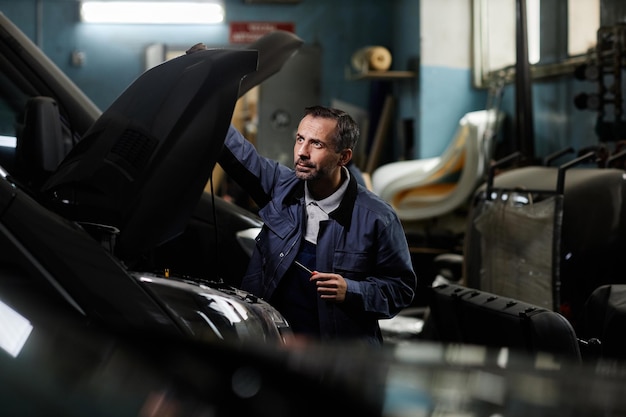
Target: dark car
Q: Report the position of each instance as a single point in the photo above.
(106, 210)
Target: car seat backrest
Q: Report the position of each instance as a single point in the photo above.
(605, 319)
(429, 187)
(470, 316)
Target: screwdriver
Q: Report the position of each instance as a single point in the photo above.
(304, 268)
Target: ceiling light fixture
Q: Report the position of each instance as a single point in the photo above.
(151, 12)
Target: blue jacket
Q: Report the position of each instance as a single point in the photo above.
(363, 241)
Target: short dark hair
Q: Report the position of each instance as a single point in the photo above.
(347, 133)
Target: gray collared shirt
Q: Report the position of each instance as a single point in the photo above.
(318, 210)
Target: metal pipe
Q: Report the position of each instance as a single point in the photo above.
(524, 126)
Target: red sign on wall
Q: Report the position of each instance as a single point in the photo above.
(248, 32)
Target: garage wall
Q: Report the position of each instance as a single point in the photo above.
(432, 37)
(114, 54)
(447, 64)
(427, 108)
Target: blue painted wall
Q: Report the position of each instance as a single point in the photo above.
(445, 105)
(432, 103)
(445, 76)
(115, 53)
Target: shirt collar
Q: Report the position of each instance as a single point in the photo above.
(331, 202)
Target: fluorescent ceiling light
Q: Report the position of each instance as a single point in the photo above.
(154, 12)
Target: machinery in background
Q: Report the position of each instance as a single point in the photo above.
(604, 67)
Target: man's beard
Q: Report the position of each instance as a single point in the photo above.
(312, 173)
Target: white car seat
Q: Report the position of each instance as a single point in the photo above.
(429, 187)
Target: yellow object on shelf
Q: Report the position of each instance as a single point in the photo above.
(372, 58)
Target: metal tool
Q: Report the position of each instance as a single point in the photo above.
(304, 267)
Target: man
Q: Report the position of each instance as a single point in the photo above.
(332, 257)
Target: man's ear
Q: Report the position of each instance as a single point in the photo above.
(346, 156)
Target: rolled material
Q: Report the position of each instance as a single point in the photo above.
(372, 58)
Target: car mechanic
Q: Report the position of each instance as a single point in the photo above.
(332, 256)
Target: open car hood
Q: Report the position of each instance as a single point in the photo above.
(142, 167)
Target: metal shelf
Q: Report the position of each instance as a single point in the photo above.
(381, 75)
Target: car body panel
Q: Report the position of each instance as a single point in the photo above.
(211, 312)
(144, 164)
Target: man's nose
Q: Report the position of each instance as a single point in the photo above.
(302, 150)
